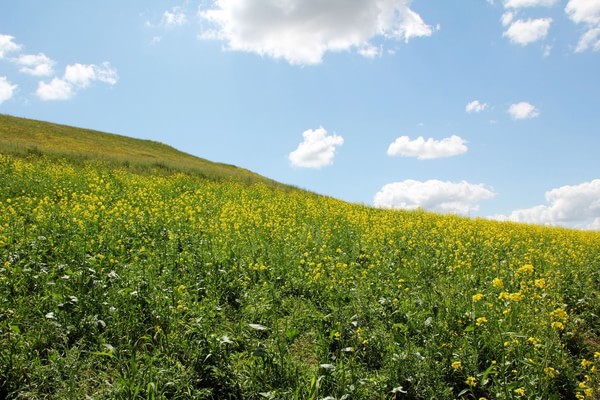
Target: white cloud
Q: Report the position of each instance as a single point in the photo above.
(475, 106)
(76, 76)
(82, 75)
(433, 195)
(317, 150)
(427, 149)
(575, 206)
(586, 12)
(523, 110)
(528, 31)
(507, 18)
(529, 3)
(7, 45)
(7, 89)
(57, 89)
(173, 18)
(302, 31)
(34, 64)
(370, 51)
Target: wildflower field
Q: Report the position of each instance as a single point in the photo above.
(160, 285)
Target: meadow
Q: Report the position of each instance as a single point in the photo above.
(149, 283)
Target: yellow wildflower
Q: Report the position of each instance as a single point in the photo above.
(533, 340)
(477, 297)
(559, 313)
(517, 296)
(525, 270)
(558, 325)
(471, 381)
(520, 392)
(498, 283)
(585, 363)
(551, 372)
(456, 365)
(480, 321)
(540, 283)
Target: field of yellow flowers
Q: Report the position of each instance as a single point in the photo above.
(115, 284)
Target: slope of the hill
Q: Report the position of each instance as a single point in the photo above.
(20, 136)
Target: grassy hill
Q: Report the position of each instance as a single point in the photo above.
(20, 136)
(120, 280)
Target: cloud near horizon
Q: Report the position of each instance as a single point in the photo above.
(35, 64)
(302, 31)
(7, 89)
(433, 195)
(317, 150)
(576, 206)
(427, 149)
(76, 77)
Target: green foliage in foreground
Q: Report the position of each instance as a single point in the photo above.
(121, 285)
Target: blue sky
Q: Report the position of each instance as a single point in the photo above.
(478, 107)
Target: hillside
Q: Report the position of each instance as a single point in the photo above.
(20, 136)
(124, 280)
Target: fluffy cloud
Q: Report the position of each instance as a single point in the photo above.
(529, 3)
(174, 17)
(6, 89)
(586, 12)
(76, 76)
(427, 149)
(302, 31)
(475, 106)
(317, 150)
(82, 75)
(434, 195)
(7, 45)
(528, 31)
(523, 110)
(576, 206)
(34, 64)
(57, 89)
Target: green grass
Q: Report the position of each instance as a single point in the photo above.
(150, 283)
(25, 137)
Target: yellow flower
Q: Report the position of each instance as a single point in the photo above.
(471, 381)
(480, 321)
(558, 325)
(585, 363)
(498, 283)
(559, 313)
(503, 296)
(551, 372)
(477, 297)
(533, 340)
(540, 283)
(517, 296)
(456, 365)
(520, 392)
(525, 270)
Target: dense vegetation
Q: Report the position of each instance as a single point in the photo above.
(121, 284)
